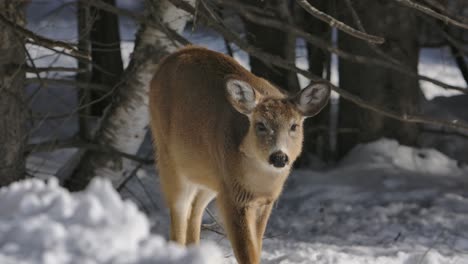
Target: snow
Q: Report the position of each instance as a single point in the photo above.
(389, 154)
(40, 222)
(384, 203)
(439, 64)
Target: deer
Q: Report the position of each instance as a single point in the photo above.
(221, 132)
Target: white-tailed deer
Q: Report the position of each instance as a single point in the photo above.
(223, 132)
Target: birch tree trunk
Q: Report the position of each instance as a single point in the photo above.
(12, 96)
(124, 126)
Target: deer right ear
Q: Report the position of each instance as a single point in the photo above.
(241, 96)
(310, 100)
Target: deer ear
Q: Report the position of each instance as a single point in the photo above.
(241, 96)
(310, 100)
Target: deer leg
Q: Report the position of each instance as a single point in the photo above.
(239, 222)
(179, 195)
(202, 199)
(263, 214)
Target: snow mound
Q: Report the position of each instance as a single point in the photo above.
(388, 153)
(40, 222)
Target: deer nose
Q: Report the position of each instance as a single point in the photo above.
(279, 159)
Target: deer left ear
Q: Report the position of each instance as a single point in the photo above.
(241, 95)
(312, 99)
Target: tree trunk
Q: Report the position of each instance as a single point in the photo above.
(107, 58)
(84, 76)
(275, 42)
(399, 25)
(316, 133)
(13, 134)
(124, 126)
(99, 37)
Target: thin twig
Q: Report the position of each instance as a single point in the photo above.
(359, 25)
(73, 83)
(40, 40)
(77, 143)
(338, 24)
(426, 10)
(147, 211)
(442, 9)
(114, 10)
(138, 18)
(34, 69)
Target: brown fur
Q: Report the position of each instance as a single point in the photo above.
(206, 148)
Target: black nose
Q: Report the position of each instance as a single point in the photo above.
(279, 159)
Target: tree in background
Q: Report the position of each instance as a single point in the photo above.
(371, 91)
(399, 26)
(13, 106)
(273, 41)
(99, 37)
(107, 65)
(124, 126)
(316, 129)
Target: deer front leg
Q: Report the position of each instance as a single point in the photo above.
(201, 200)
(240, 225)
(263, 214)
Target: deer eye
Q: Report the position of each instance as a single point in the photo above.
(260, 127)
(294, 127)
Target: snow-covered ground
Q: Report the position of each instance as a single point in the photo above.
(385, 203)
(43, 223)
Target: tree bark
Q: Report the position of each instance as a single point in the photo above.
(84, 76)
(124, 125)
(99, 37)
(275, 42)
(13, 134)
(399, 26)
(106, 55)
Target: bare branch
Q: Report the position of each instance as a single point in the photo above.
(338, 24)
(140, 19)
(359, 25)
(432, 13)
(281, 25)
(51, 69)
(113, 9)
(49, 81)
(442, 9)
(275, 60)
(40, 40)
(76, 143)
